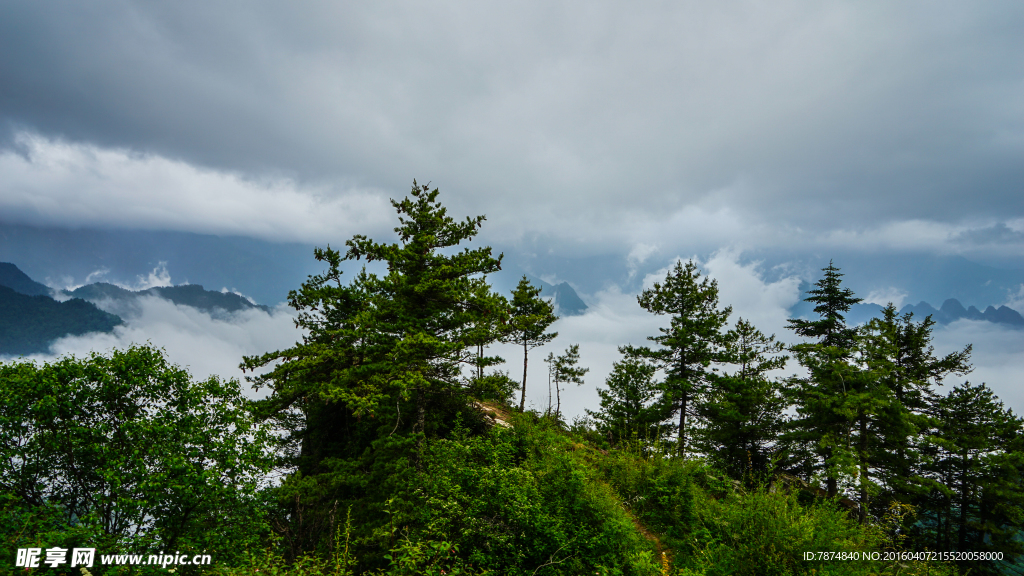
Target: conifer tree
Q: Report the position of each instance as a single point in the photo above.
(979, 474)
(373, 347)
(743, 412)
(632, 405)
(566, 370)
(529, 317)
(693, 341)
(822, 401)
(897, 353)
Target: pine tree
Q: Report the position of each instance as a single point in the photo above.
(691, 344)
(898, 354)
(373, 347)
(744, 410)
(975, 460)
(529, 317)
(823, 404)
(566, 370)
(632, 404)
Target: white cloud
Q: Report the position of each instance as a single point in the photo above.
(638, 255)
(1015, 300)
(691, 126)
(742, 286)
(158, 277)
(206, 345)
(615, 319)
(52, 181)
(884, 296)
(997, 356)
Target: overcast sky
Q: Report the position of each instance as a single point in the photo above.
(599, 126)
(638, 132)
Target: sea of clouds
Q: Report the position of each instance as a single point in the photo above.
(214, 344)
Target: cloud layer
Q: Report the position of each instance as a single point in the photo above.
(80, 185)
(594, 125)
(206, 345)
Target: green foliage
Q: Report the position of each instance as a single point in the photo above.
(897, 356)
(709, 525)
(128, 452)
(743, 412)
(820, 434)
(975, 458)
(380, 369)
(564, 368)
(497, 386)
(513, 501)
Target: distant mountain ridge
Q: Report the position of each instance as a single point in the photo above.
(950, 311)
(193, 295)
(567, 302)
(12, 277)
(31, 319)
(30, 323)
(953, 310)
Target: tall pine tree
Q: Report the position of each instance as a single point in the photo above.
(897, 353)
(822, 401)
(382, 359)
(693, 341)
(976, 462)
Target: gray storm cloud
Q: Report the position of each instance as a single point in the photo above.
(559, 119)
(624, 131)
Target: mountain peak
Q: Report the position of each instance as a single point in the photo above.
(953, 308)
(12, 277)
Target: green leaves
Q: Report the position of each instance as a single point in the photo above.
(133, 447)
(630, 405)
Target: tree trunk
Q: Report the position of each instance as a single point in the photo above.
(548, 411)
(522, 399)
(480, 361)
(830, 480)
(558, 400)
(863, 469)
(421, 424)
(682, 425)
(961, 540)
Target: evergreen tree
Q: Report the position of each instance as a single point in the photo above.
(823, 404)
(566, 370)
(632, 405)
(743, 412)
(372, 347)
(898, 354)
(976, 462)
(529, 317)
(487, 329)
(693, 341)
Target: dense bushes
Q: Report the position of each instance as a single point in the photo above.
(129, 455)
